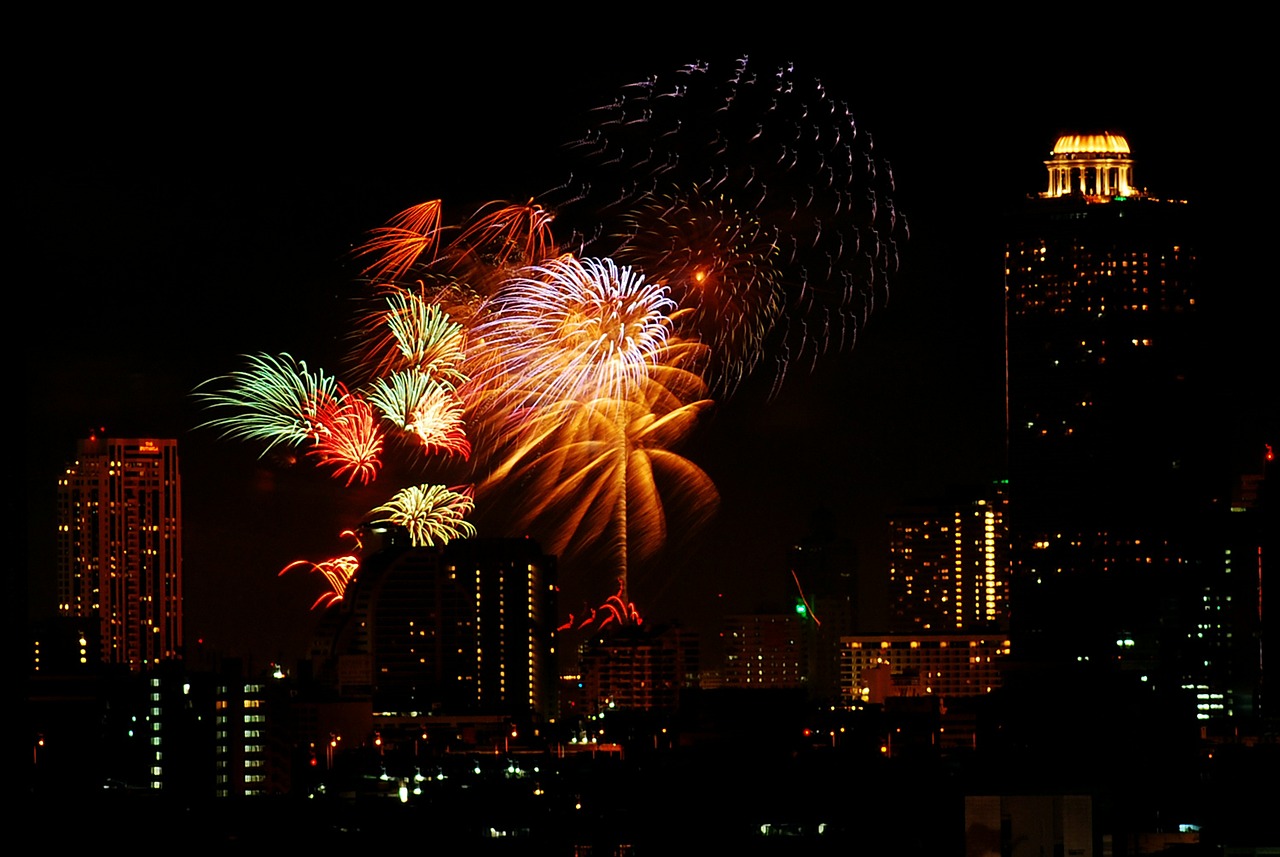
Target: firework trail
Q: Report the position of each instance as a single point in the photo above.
(338, 572)
(753, 196)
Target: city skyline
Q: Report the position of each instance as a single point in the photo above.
(263, 265)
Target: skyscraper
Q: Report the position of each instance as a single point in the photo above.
(1102, 315)
(120, 547)
(1110, 488)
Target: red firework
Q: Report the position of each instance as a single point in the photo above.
(346, 437)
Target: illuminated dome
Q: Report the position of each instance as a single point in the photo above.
(1097, 167)
(1079, 144)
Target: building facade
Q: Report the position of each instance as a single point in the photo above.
(949, 566)
(120, 547)
(876, 668)
(765, 650)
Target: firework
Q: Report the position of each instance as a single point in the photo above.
(404, 242)
(416, 403)
(507, 236)
(762, 219)
(752, 174)
(408, 331)
(433, 514)
(616, 610)
(346, 437)
(720, 264)
(603, 472)
(338, 573)
(573, 330)
(276, 400)
(409, 252)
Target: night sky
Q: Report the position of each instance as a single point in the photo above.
(187, 205)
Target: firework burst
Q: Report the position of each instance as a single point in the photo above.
(719, 263)
(572, 330)
(774, 162)
(602, 472)
(409, 239)
(432, 514)
(432, 411)
(276, 400)
(346, 437)
(410, 332)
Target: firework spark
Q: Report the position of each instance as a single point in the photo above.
(433, 514)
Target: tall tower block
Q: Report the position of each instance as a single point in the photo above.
(120, 547)
(1107, 428)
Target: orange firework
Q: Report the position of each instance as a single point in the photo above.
(510, 235)
(400, 245)
(602, 471)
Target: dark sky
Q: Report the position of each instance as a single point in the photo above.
(186, 205)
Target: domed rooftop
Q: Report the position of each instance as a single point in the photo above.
(1099, 144)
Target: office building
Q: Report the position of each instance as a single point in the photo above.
(1108, 482)
(120, 547)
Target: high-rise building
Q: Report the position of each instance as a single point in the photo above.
(1125, 553)
(120, 547)
(949, 566)
(1102, 313)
